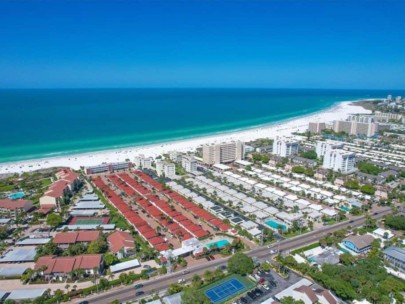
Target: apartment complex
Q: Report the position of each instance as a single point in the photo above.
(142, 162)
(189, 163)
(108, 167)
(166, 169)
(322, 147)
(316, 127)
(386, 117)
(285, 147)
(223, 152)
(340, 161)
(354, 127)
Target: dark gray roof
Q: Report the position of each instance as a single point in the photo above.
(360, 241)
(395, 252)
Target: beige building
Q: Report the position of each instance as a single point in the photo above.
(223, 152)
(355, 128)
(316, 127)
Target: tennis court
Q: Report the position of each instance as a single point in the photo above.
(227, 288)
(89, 220)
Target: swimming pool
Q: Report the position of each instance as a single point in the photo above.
(276, 225)
(347, 209)
(16, 195)
(219, 244)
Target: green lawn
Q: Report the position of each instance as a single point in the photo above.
(246, 282)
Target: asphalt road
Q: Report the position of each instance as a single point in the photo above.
(155, 285)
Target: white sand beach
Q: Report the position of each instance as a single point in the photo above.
(340, 111)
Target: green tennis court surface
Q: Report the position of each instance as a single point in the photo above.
(89, 222)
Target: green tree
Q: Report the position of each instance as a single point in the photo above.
(240, 263)
(193, 296)
(98, 246)
(346, 258)
(54, 220)
(196, 281)
(291, 300)
(311, 154)
(352, 184)
(367, 189)
(110, 259)
(174, 288)
(298, 169)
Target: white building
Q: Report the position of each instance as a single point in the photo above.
(322, 147)
(175, 156)
(189, 163)
(166, 169)
(223, 152)
(142, 162)
(340, 161)
(285, 147)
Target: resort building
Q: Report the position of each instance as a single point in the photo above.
(51, 199)
(142, 162)
(7, 205)
(121, 244)
(285, 147)
(340, 161)
(166, 169)
(386, 117)
(108, 167)
(223, 152)
(396, 257)
(358, 243)
(189, 163)
(175, 156)
(355, 128)
(52, 267)
(322, 147)
(316, 127)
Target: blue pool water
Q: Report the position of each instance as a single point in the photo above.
(220, 244)
(276, 225)
(224, 290)
(16, 195)
(347, 209)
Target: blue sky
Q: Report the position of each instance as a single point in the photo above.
(275, 44)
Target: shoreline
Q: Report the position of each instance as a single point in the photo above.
(285, 127)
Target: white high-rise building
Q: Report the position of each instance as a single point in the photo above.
(189, 163)
(223, 152)
(285, 147)
(142, 162)
(323, 147)
(175, 156)
(340, 161)
(168, 169)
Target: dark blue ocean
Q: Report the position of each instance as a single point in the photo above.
(51, 122)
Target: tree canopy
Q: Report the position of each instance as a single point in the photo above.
(54, 220)
(240, 263)
(192, 296)
(311, 154)
(395, 222)
(367, 189)
(368, 168)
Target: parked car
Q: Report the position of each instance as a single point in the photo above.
(139, 293)
(137, 286)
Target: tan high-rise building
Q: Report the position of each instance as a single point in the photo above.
(355, 128)
(316, 127)
(223, 152)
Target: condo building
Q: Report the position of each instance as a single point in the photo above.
(316, 127)
(322, 147)
(189, 163)
(223, 152)
(166, 169)
(340, 161)
(356, 128)
(285, 147)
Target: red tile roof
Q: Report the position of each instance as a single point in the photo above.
(119, 240)
(18, 204)
(76, 236)
(54, 264)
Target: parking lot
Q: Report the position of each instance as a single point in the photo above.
(272, 285)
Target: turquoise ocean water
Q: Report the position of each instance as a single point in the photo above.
(53, 122)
